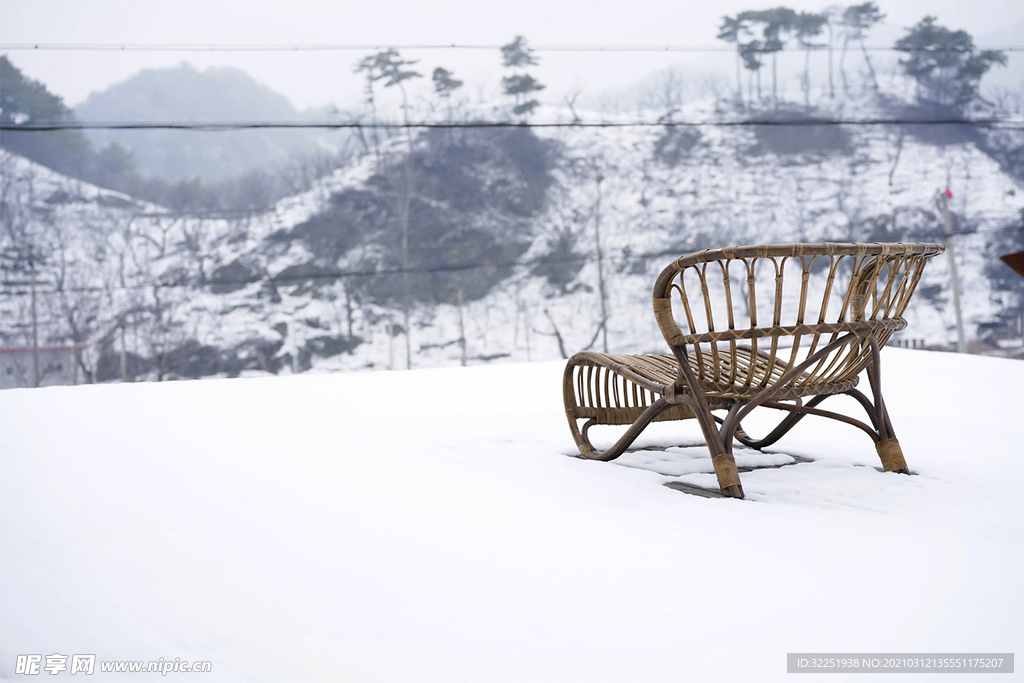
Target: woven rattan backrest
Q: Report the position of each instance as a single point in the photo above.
(784, 302)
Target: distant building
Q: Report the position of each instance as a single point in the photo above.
(57, 365)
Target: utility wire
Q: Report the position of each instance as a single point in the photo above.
(462, 267)
(341, 47)
(220, 126)
(333, 275)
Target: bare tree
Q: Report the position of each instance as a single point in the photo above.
(1007, 99)
(714, 85)
(165, 330)
(667, 96)
(570, 98)
(26, 246)
(900, 136)
(195, 237)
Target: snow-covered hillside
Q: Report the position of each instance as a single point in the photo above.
(317, 528)
(242, 295)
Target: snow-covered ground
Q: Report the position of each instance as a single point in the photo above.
(431, 526)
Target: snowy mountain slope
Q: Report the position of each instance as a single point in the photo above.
(716, 193)
(250, 294)
(305, 528)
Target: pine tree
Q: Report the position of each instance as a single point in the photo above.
(731, 30)
(444, 85)
(808, 26)
(395, 72)
(858, 20)
(945, 64)
(520, 86)
(517, 54)
(751, 53)
(370, 67)
(112, 165)
(387, 66)
(24, 101)
(777, 23)
(833, 16)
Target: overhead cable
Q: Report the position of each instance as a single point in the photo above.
(339, 274)
(366, 47)
(219, 126)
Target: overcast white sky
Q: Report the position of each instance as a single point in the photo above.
(318, 78)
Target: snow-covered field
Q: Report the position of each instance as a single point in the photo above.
(431, 526)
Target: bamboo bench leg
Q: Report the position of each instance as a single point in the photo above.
(721, 452)
(892, 456)
(887, 446)
(727, 474)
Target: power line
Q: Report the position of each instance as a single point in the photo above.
(221, 126)
(462, 267)
(938, 234)
(337, 274)
(342, 47)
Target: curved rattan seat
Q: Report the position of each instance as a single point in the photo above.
(839, 305)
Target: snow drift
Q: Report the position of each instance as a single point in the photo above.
(432, 526)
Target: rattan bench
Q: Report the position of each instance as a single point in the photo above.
(831, 307)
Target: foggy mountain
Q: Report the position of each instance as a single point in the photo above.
(218, 94)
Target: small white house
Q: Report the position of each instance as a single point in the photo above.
(57, 365)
